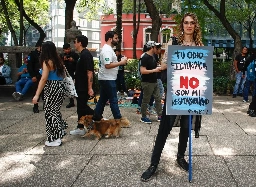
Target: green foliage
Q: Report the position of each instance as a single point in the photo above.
(91, 8)
(131, 77)
(37, 10)
(222, 84)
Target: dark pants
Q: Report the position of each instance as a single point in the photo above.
(34, 87)
(120, 83)
(165, 127)
(141, 97)
(82, 106)
(252, 105)
(2, 80)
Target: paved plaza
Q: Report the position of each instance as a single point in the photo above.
(224, 155)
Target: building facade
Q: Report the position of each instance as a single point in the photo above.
(55, 30)
(108, 22)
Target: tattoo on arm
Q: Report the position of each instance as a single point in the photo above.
(91, 79)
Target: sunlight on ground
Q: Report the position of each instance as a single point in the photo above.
(224, 151)
(133, 143)
(224, 102)
(250, 130)
(15, 165)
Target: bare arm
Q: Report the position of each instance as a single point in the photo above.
(143, 70)
(90, 81)
(113, 65)
(235, 65)
(41, 84)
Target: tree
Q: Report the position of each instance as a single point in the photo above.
(69, 11)
(135, 27)
(38, 10)
(119, 14)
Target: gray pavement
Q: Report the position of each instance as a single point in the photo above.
(224, 155)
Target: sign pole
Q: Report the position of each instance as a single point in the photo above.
(190, 149)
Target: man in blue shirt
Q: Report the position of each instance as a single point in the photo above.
(24, 82)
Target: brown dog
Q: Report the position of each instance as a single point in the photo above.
(100, 128)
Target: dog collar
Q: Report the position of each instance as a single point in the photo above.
(90, 126)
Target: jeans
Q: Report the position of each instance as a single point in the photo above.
(23, 85)
(120, 83)
(239, 86)
(247, 88)
(161, 87)
(165, 127)
(107, 92)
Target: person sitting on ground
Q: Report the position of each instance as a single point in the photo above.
(5, 72)
(24, 83)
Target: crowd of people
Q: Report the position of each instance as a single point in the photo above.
(44, 71)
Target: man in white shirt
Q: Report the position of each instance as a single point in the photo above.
(108, 69)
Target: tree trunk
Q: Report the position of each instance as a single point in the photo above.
(156, 20)
(222, 17)
(21, 23)
(119, 10)
(7, 18)
(135, 30)
(33, 23)
(70, 5)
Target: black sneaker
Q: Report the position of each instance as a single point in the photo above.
(146, 176)
(234, 95)
(252, 114)
(70, 105)
(182, 163)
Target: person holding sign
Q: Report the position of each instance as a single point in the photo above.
(189, 35)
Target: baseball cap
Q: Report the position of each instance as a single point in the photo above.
(158, 45)
(150, 44)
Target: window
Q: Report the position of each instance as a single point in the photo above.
(96, 46)
(84, 23)
(95, 36)
(95, 24)
(148, 35)
(61, 32)
(84, 33)
(166, 34)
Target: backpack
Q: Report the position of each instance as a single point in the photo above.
(139, 64)
(251, 71)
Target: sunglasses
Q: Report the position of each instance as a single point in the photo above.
(189, 22)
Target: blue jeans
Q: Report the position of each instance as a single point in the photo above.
(247, 88)
(26, 82)
(239, 86)
(108, 92)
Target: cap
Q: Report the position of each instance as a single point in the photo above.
(66, 46)
(158, 45)
(150, 44)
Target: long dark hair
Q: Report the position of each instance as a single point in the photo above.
(49, 52)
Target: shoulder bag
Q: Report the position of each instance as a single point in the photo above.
(70, 90)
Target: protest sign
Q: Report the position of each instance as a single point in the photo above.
(189, 80)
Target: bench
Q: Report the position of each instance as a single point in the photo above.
(8, 89)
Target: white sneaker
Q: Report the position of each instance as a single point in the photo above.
(77, 132)
(54, 143)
